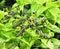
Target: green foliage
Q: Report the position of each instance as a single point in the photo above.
(1, 14)
(30, 24)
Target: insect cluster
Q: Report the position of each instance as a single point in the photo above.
(27, 20)
(26, 26)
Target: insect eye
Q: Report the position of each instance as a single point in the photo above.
(19, 33)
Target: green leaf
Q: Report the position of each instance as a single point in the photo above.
(54, 12)
(39, 1)
(34, 7)
(52, 27)
(50, 44)
(16, 47)
(31, 32)
(44, 40)
(41, 10)
(56, 41)
(23, 2)
(1, 14)
(44, 43)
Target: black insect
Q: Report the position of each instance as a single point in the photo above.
(44, 20)
(57, 35)
(6, 17)
(11, 13)
(28, 6)
(25, 10)
(35, 22)
(18, 23)
(19, 33)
